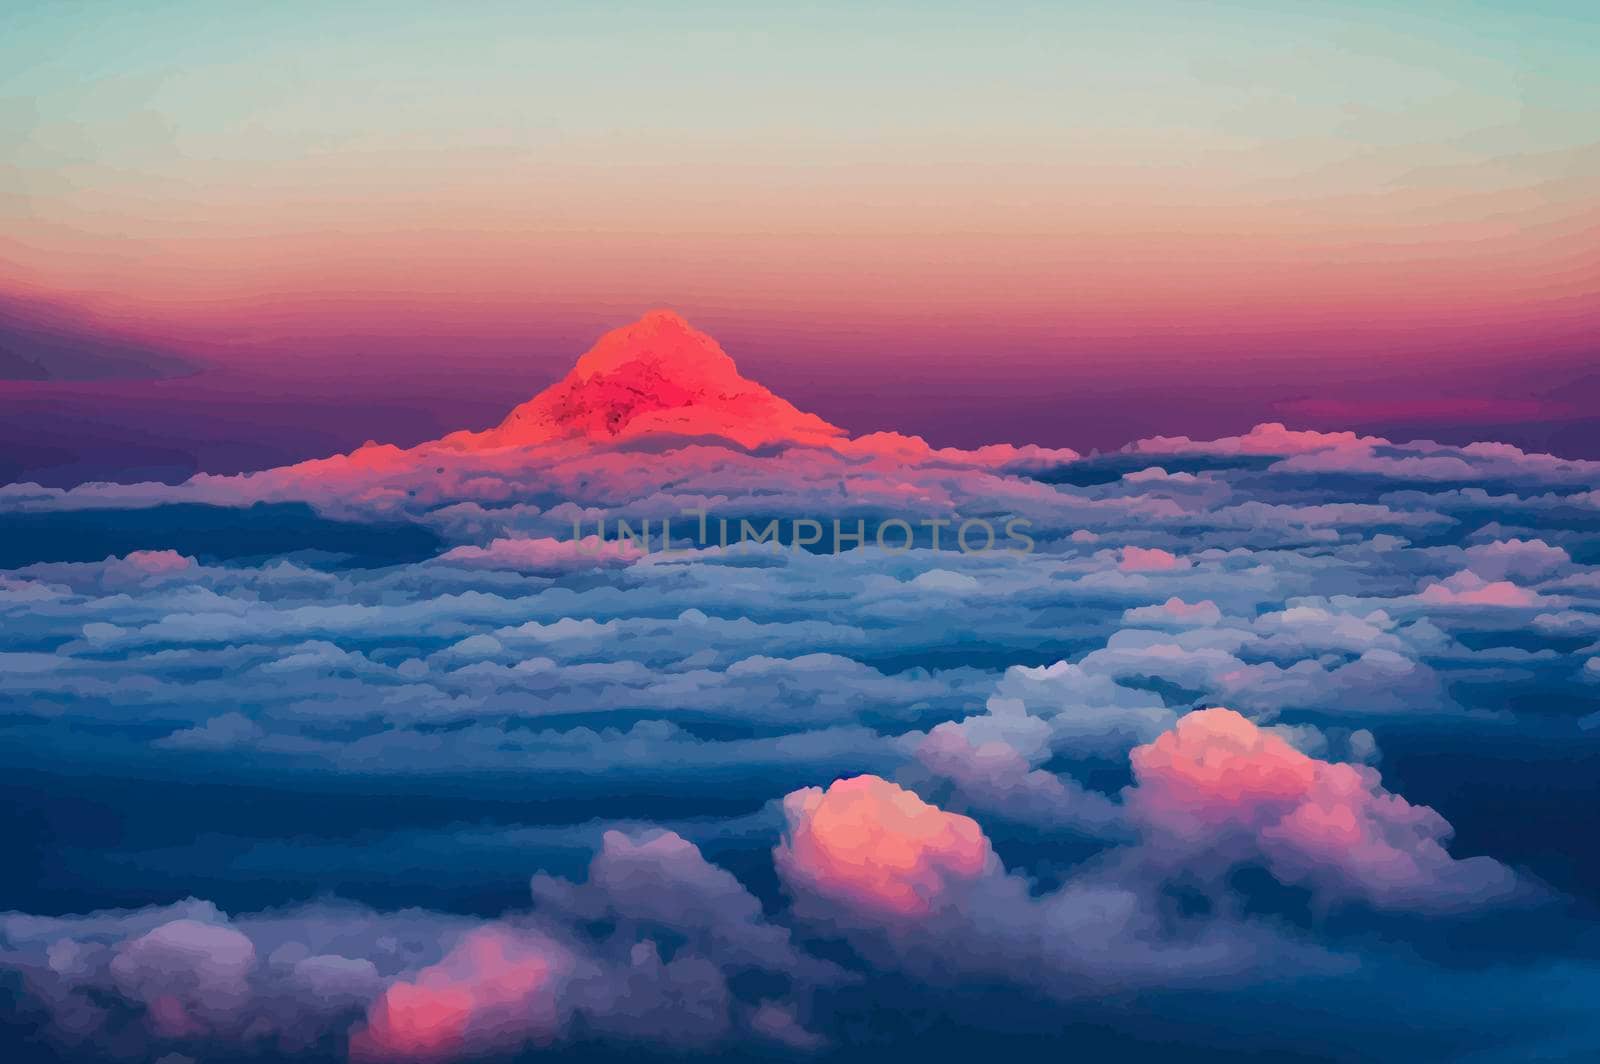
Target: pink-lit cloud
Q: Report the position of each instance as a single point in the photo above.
(1272, 438)
(1149, 560)
(919, 888)
(1218, 785)
(494, 991)
(1467, 588)
(876, 846)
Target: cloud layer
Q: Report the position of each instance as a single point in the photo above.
(760, 788)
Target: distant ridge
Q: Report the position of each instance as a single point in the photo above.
(43, 342)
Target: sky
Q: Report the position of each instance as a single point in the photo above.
(1390, 213)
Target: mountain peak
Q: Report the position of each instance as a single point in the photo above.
(663, 340)
(657, 376)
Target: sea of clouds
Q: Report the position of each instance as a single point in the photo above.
(1281, 742)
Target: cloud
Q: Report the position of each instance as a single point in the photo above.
(1218, 784)
(944, 580)
(994, 778)
(545, 554)
(878, 847)
(1341, 592)
(1149, 560)
(1524, 559)
(1175, 612)
(921, 889)
(1467, 588)
(1265, 439)
(1155, 474)
(660, 879)
(192, 977)
(420, 986)
(1066, 710)
(494, 991)
(218, 733)
(777, 1022)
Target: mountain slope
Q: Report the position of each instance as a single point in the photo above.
(658, 376)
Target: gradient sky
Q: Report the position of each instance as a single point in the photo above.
(1006, 199)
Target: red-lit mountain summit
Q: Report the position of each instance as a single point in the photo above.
(657, 376)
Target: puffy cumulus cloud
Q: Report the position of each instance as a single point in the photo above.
(1218, 784)
(18, 595)
(545, 554)
(779, 1024)
(1568, 623)
(1271, 438)
(141, 572)
(658, 879)
(657, 892)
(510, 984)
(946, 581)
(1467, 588)
(1317, 523)
(1175, 612)
(1522, 559)
(1150, 560)
(1155, 474)
(1429, 461)
(1208, 664)
(1189, 659)
(1344, 452)
(1392, 463)
(920, 888)
(136, 983)
(145, 567)
(219, 733)
(1377, 682)
(878, 847)
(192, 977)
(494, 991)
(1304, 628)
(1066, 710)
(420, 986)
(896, 449)
(994, 778)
